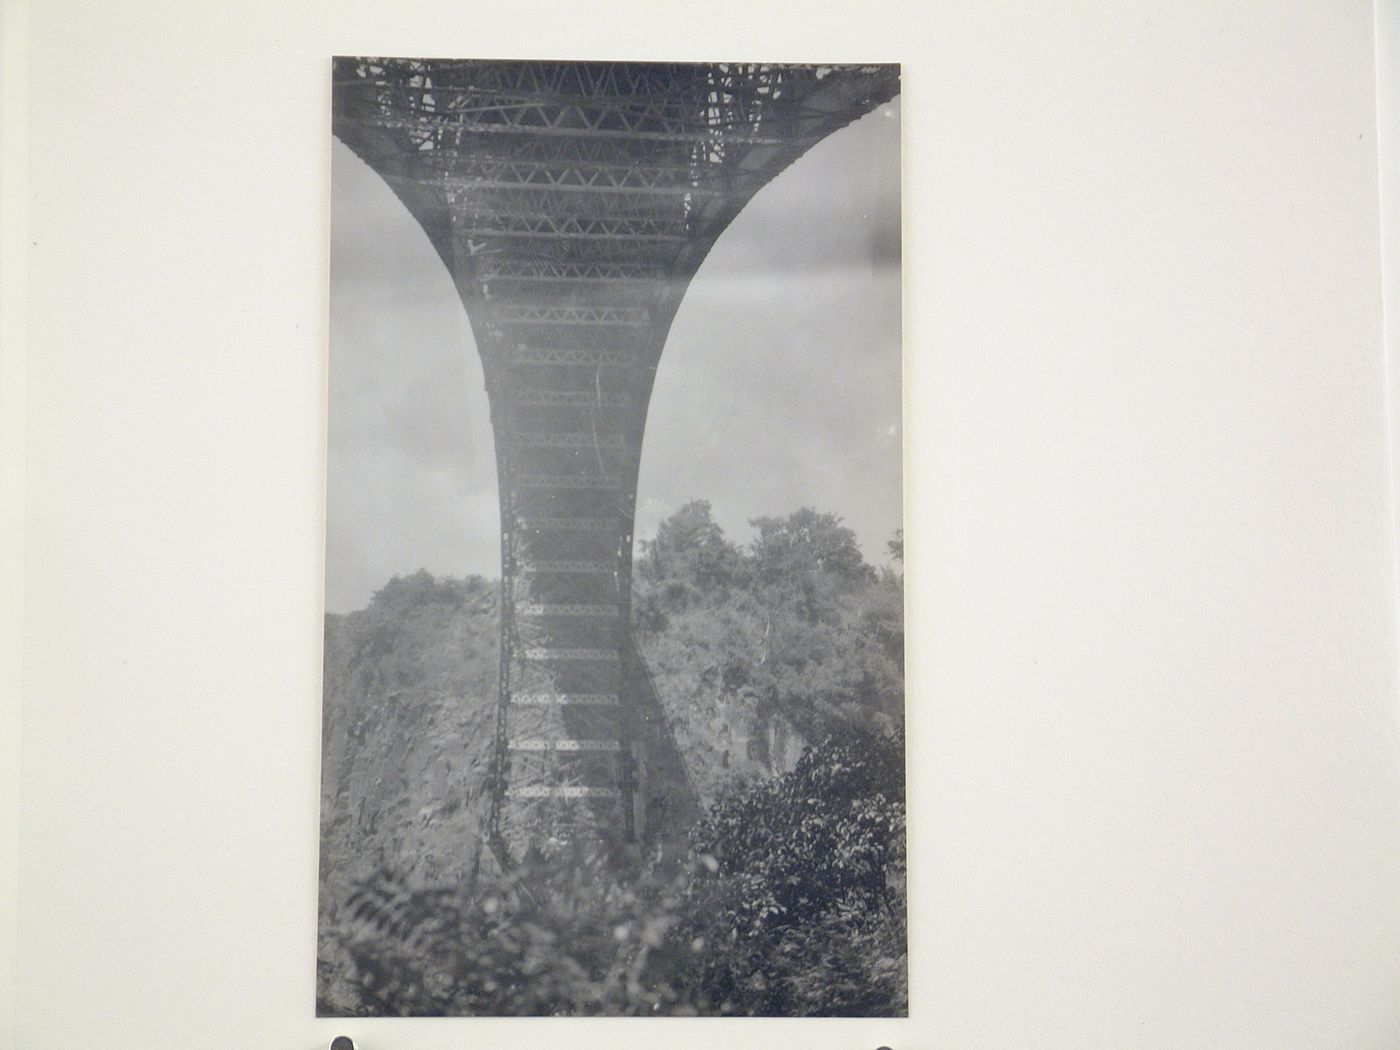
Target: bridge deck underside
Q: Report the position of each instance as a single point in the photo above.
(572, 203)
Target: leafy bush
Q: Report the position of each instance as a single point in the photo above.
(803, 892)
(790, 903)
(557, 936)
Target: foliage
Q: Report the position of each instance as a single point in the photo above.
(756, 650)
(778, 667)
(808, 558)
(790, 903)
(792, 847)
(560, 935)
(803, 894)
(690, 556)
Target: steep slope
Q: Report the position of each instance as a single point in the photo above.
(408, 708)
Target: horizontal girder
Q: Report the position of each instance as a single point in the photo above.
(582, 568)
(560, 355)
(546, 314)
(569, 398)
(620, 180)
(574, 227)
(571, 524)
(565, 481)
(621, 80)
(563, 791)
(567, 610)
(548, 440)
(425, 129)
(565, 745)
(566, 699)
(533, 269)
(547, 654)
(537, 201)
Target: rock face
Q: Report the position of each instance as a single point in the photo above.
(408, 708)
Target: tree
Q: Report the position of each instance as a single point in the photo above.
(809, 558)
(896, 546)
(806, 542)
(690, 556)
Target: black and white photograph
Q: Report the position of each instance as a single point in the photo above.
(828, 527)
(613, 694)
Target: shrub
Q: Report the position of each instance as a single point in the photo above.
(790, 903)
(803, 894)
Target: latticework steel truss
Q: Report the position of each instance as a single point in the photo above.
(572, 202)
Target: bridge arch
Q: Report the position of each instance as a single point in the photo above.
(572, 203)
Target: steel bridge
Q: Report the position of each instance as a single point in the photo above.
(572, 202)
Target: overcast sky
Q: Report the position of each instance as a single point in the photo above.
(779, 386)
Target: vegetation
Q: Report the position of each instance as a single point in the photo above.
(757, 651)
(779, 669)
(791, 904)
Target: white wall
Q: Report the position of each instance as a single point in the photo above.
(1388, 140)
(13, 238)
(1152, 674)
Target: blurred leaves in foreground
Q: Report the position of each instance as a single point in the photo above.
(789, 902)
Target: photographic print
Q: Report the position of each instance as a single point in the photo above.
(613, 694)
